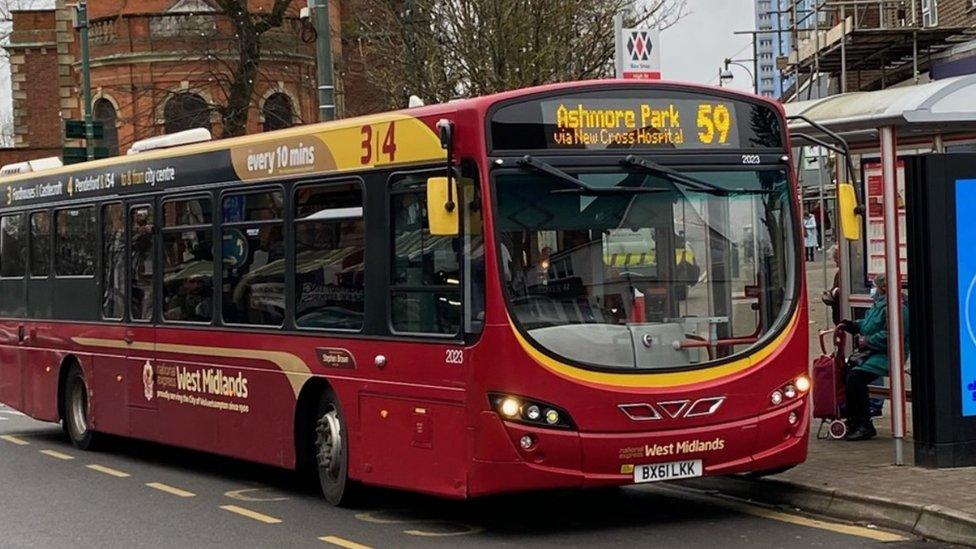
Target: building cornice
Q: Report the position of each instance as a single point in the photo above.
(184, 57)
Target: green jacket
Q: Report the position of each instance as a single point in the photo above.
(874, 327)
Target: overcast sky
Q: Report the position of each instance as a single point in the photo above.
(694, 48)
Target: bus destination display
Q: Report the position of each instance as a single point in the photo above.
(636, 119)
(609, 123)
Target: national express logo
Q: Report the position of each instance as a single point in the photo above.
(148, 381)
(639, 45)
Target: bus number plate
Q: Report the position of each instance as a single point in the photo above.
(655, 472)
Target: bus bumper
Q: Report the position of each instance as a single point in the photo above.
(570, 459)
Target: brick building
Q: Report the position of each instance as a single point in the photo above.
(157, 66)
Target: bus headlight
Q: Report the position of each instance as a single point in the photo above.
(529, 411)
(509, 407)
(790, 391)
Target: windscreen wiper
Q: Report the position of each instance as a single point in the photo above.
(699, 185)
(581, 187)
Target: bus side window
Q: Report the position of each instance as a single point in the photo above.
(426, 273)
(40, 246)
(13, 246)
(142, 261)
(188, 255)
(74, 254)
(253, 258)
(330, 246)
(474, 250)
(113, 262)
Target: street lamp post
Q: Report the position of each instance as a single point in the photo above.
(323, 47)
(725, 74)
(86, 92)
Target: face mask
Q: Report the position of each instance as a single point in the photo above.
(876, 295)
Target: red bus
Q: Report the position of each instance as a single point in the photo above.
(584, 284)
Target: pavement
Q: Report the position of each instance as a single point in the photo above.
(136, 494)
(857, 480)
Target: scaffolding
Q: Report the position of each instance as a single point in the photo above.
(861, 44)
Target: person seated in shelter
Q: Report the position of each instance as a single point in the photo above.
(870, 360)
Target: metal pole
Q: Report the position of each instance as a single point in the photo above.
(618, 54)
(845, 245)
(843, 50)
(821, 226)
(889, 159)
(815, 75)
(323, 54)
(796, 50)
(915, 56)
(755, 66)
(86, 93)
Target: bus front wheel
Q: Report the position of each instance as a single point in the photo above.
(332, 451)
(76, 421)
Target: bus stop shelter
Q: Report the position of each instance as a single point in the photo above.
(932, 117)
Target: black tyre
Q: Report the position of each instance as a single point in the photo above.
(76, 422)
(331, 451)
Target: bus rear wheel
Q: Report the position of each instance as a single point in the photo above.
(332, 451)
(76, 421)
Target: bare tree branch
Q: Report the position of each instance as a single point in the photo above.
(441, 49)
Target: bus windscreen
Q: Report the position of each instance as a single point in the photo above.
(635, 119)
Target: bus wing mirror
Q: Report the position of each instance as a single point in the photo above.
(442, 211)
(850, 212)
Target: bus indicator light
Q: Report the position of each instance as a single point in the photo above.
(552, 417)
(533, 412)
(776, 398)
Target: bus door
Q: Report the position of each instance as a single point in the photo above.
(142, 249)
(13, 243)
(413, 420)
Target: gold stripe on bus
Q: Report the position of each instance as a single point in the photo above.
(294, 368)
(656, 380)
(368, 143)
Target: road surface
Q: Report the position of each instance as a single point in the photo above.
(136, 494)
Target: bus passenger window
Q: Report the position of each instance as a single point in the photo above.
(330, 243)
(13, 246)
(75, 251)
(113, 261)
(141, 266)
(253, 257)
(40, 248)
(188, 260)
(426, 292)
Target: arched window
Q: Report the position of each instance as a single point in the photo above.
(278, 112)
(185, 111)
(104, 112)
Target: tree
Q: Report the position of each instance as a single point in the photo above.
(241, 75)
(440, 49)
(232, 51)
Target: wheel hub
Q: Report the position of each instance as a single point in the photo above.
(328, 444)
